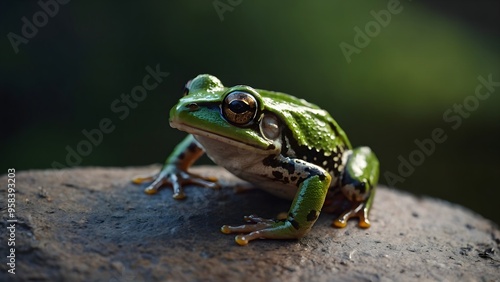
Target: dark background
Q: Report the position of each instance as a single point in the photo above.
(396, 90)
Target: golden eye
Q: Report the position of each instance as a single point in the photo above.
(239, 108)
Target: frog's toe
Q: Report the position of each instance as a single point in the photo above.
(364, 222)
(140, 179)
(262, 228)
(178, 191)
(254, 229)
(339, 222)
(255, 219)
(259, 223)
(207, 182)
(157, 183)
(246, 228)
(243, 240)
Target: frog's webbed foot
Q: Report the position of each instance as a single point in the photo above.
(260, 228)
(177, 179)
(359, 210)
(337, 203)
(358, 183)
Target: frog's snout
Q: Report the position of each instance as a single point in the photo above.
(182, 111)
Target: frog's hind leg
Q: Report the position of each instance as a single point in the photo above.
(303, 213)
(358, 183)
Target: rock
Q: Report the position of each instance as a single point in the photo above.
(92, 224)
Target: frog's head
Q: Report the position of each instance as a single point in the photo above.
(233, 115)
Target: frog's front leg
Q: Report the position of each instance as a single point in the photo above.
(312, 181)
(358, 183)
(174, 172)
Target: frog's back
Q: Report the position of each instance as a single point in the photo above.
(310, 125)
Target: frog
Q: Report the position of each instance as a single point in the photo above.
(277, 142)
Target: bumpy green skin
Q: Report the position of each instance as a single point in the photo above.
(289, 147)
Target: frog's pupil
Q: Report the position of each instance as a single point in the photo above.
(238, 106)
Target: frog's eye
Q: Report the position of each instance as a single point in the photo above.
(239, 108)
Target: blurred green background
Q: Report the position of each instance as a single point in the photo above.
(395, 89)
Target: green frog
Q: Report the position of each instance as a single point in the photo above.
(277, 142)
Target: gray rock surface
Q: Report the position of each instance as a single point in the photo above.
(92, 224)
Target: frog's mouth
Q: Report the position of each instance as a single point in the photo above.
(221, 138)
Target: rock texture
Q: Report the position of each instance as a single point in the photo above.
(92, 224)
